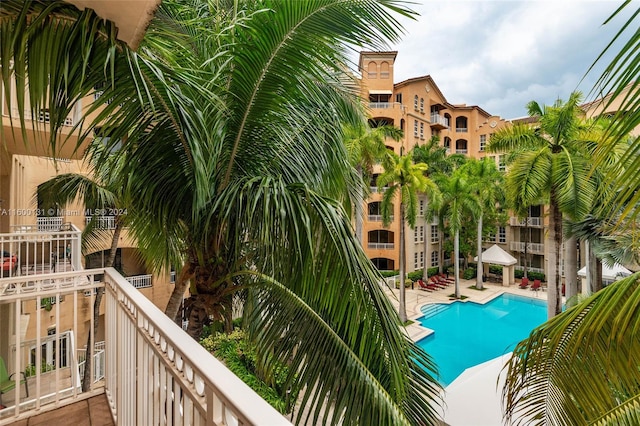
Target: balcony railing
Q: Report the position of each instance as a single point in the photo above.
(461, 151)
(381, 105)
(461, 130)
(534, 248)
(140, 281)
(385, 246)
(47, 224)
(530, 269)
(154, 373)
(535, 222)
(438, 119)
(28, 250)
(102, 222)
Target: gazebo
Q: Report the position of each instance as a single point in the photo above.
(497, 256)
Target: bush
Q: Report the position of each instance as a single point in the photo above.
(519, 273)
(415, 275)
(387, 274)
(495, 269)
(432, 271)
(407, 283)
(469, 273)
(239, 355)
(536, 276)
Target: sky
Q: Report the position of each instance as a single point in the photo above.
(500, 55)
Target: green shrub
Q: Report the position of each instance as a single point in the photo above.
(433, 271)
(469, 273)
(30, 370)
(407, 283)
(495, 269)
(519, 273)
(536, 276)
(239, 355)
(387, 274)
(415, 275)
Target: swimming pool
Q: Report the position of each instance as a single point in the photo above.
(468, 333)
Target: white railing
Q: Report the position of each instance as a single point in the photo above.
(530, 269)
(535, 248)
(529, 221)
(375, 218)
(46, 224)
(102, 222)
(438, 119)
(373, 189)
(380, 245)
(172, 277)
(140, 281)
(380, 105)
(98, 361)
(154, 373)
(461, 130)
(461, 151)
(29, 251)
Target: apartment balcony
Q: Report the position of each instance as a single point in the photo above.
(140, 281)
(150, 371)
(439, 122)
(532, 248)
(383, 246)
(462, 151)
(462, 130)
(532, 222)
(383, 105)
(102, 222)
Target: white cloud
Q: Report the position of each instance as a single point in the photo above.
(502, 54)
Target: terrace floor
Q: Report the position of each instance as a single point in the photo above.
(93, 411)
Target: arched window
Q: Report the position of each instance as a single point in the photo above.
(421, 104)
(384, 70)
(461, 125)
(372, 69)
(415, 102)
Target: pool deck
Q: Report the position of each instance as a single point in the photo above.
(415, 299)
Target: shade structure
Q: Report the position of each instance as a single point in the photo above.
(610, 273)
(497, 256)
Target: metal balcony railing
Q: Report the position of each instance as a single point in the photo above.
(46, 224)
(535, 222)
(438, 119)
(384, 246)
(28, 250)
(102, 222)
(140, 281)
(534, 248)
(154, 373)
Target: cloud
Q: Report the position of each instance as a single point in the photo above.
(502, 54)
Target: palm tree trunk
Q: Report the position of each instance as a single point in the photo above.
(554, 288)
(402, 309)
(480, 269)
(594, 272)
(87, 377)
(456, 268)
(441, 250)
(359, 211)
(180, 287)
(427, 252)
(571, 269)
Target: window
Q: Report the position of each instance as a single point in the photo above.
(483, 142)
(491, 238)
(435, 259)
(384, 70)
(421, 130)
(421, 104)
(415, 260)
(415, 128)
(421, 236)
(421, 259)
(502, 234)
(502, 163)
(447, 142)
(421, 211)
(435, 236)
(399, 98)
(372, 70)
(415, 235)
(415, 102)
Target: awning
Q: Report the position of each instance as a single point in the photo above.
(381, 92)
(497, 256)
(609, 273)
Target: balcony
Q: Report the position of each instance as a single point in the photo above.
(461, 151)
(102, 222)
(532, 248)
(384, 246)
(150, 371)
(439, 122)
(140, 281)
(532, 222)
(462, 130)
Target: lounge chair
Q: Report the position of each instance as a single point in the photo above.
(7, 382)
(536, 285)
(524, 283)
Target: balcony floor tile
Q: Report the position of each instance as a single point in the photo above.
(90, 412)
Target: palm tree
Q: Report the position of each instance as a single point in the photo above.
(551, 164)
(366, 147)
(97, 190)
(458, 201)
(232, 130)
(405, 179)
(487, 183)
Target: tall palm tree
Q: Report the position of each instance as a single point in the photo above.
(458, 202)
(488, 186)
(551, 164)
(365, 147)
(96, 190)
(235, 157)
(404, 179)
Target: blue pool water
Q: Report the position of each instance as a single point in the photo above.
(468, 333)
